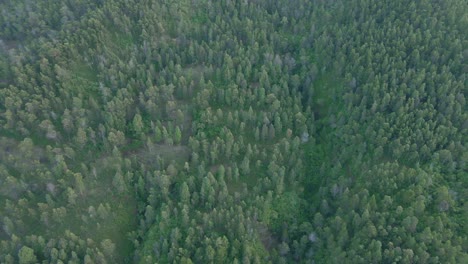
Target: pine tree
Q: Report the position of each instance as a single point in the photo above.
(138, 126)
(79, 184)
(184, 193)
(118, 182)
(245, 166)
(177, 135)
(81, 139)
(71, 196)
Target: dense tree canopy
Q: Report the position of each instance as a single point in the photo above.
(233, 131)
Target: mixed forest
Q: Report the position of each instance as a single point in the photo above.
(234, 131)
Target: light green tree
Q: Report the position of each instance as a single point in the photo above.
(26, 255)
(177, 135)
(118, 182)
(138, 125)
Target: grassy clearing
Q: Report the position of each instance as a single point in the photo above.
(328, 89)
(82, 70)
(122, 216)
(121, 41)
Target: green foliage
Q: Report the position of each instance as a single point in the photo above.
(233, 131)
(289, 210)
(26, 255)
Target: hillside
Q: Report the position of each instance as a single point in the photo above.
(233, 131)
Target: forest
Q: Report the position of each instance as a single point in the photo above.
(233, 131)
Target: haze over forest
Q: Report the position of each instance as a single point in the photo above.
(233, 131)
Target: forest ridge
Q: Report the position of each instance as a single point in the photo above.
(235, 131)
